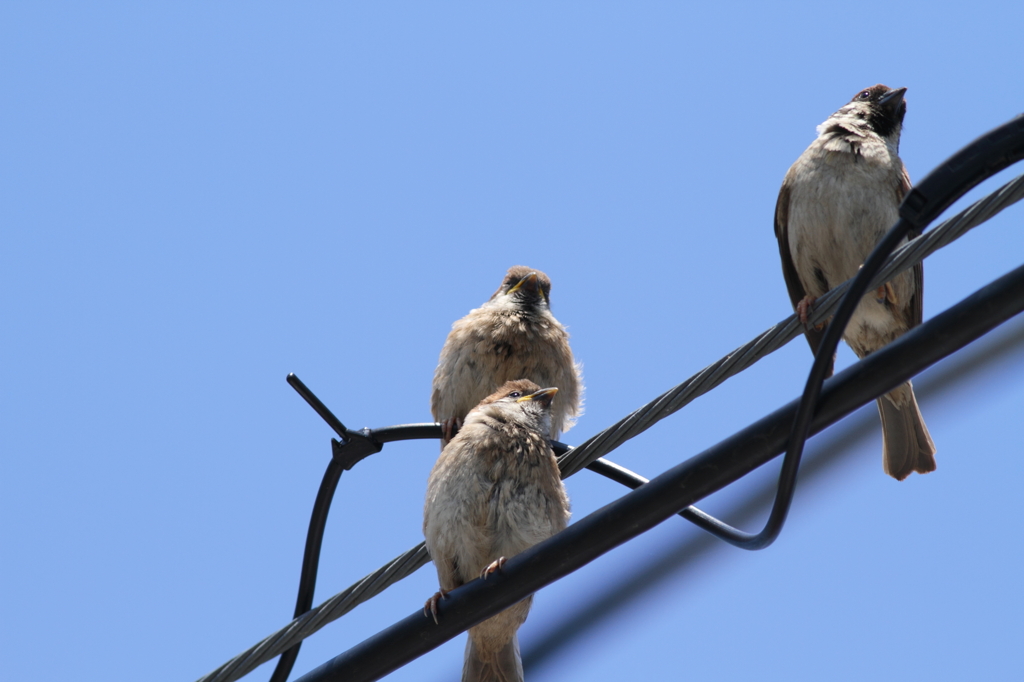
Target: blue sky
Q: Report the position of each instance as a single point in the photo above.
(200, 198)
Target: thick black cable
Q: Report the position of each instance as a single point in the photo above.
(663, 496)
(963, 171)
(981, 159)
(842, 443)
(984, 157)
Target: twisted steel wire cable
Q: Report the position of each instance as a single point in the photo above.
(637, 422)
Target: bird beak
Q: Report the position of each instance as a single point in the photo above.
(892, 99)
(530, 284)
(544, 395)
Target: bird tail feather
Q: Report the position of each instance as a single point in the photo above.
(503, 665)
(906, 444)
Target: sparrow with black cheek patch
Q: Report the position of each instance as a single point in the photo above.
(836, 203)
(494, 491)
(511, 336)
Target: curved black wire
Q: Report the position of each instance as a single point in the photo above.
(978, 161)
(310, 561)
(353, 446)
(315, 534)
(983, 158)
(689, 481)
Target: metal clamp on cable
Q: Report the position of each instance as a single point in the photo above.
(357, 445)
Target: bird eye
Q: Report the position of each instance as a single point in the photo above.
(864, 95)
(515, 394)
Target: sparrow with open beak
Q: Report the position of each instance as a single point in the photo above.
(836, 203)
(511, 336)
(494, 491)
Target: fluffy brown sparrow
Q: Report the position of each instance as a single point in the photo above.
(511, 336)
(836, 203)
(494, 491)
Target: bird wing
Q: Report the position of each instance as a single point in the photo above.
(793, 283)
(915, 309)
